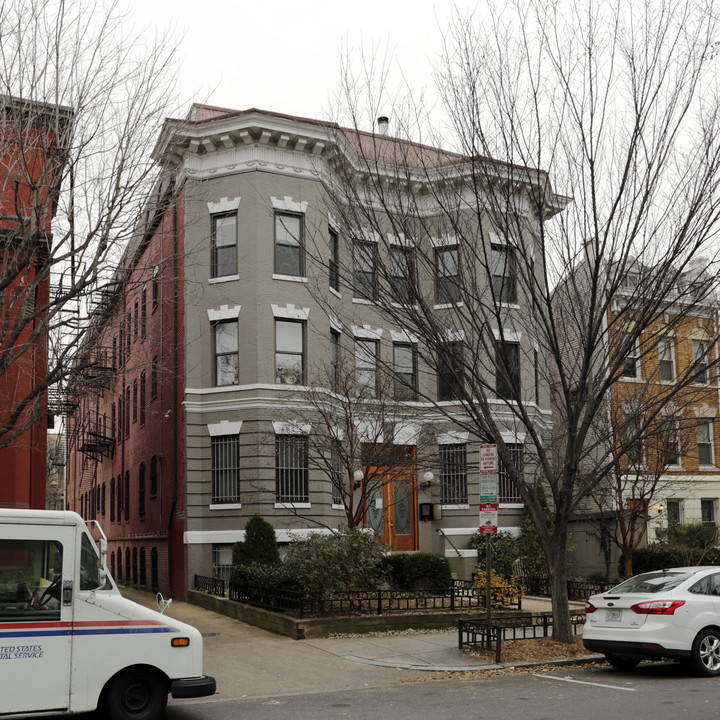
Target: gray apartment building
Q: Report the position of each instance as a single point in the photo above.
(278, 292)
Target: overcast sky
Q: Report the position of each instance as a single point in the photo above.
(284, 55)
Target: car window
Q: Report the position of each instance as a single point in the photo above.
(652, 582)
(703, 587)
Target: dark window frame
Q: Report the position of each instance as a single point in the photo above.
(220, 266)
(281, 248)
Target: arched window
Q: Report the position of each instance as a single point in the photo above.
(135, 566)
(143, 570)
(127, 495)
(119, 573)
(102, 500)
(127, 564)
(112, 499)
(154, 568)
(112, 563)
(141, 490)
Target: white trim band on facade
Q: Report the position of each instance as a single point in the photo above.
(227, 537)
(224, 427)
(444, 241)
(406, 433)
(223, 206)
(460, 552)
(290, 311)
(451, 335)
(287, 203)
(403, 336)
(224, 312)
(366, 332)
(283, 427)
(400, 240)
(508, 335)
(453, 437)
(508, 436)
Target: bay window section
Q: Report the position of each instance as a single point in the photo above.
(402, 275)
(289, 352)
(224, 245)
(405, 370)
(447, 275)
(289, 245)
(366, 364)
(504, 274)
(365, 270)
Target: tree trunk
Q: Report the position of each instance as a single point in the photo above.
(628, 562)
(562, 629)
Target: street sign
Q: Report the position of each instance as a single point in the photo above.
(488, 459)
(488, 488)
(488, 518)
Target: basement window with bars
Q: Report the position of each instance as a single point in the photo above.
(453, 474)
(225, 469)
(507, 491)
(291, 469)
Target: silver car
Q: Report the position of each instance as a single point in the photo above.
(672, 613)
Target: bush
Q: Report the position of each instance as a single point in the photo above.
(503, 591)
(418, 571)
(260, 544)
(263, 577)
(349, 559)
(505, 551)
(651, 557)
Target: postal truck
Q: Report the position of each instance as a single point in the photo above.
(70, 642)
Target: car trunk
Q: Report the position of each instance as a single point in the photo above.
(614, 611)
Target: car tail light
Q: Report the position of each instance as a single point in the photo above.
(589, 607)
(658, 607)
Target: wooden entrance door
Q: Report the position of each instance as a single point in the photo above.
(391, 508)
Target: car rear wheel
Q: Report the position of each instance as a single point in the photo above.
(621, 662)
(706, 653)
(136, 694)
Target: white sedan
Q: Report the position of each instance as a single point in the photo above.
(672, 613)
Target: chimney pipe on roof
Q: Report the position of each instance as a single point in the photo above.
(382, 124)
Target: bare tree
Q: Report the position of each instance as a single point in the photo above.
(515, 291)
(359, 429)
(82, 96)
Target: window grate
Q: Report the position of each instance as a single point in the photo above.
(453, 474)
(225, 469)
(507, 491)
(291, 471)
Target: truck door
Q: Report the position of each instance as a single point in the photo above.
(36, 561)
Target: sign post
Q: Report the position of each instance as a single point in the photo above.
(488, 512)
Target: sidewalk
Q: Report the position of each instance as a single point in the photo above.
(235, 650)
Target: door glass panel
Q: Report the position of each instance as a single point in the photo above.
(403, 516)
(30, 580)
(375, 510)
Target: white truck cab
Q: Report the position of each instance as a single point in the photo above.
(70, 642)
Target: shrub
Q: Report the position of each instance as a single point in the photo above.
(260, 544)
(262, 577)
(505, 551)
(349, 559)
(651, 557)
(418, 571)
(503, 591)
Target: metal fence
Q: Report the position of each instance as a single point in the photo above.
(577, 589)
(490, 635)
(462, 595)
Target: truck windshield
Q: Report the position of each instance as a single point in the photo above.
(90, 566)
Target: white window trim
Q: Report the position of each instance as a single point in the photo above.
(289, 205)
(223, 206)
(454, 335)
(406, 433)
(290, 312)
(335, 293)
(455, 507)
(449, 306)
(366, 332)
(290, 278)
(512, 336)
(226, 506)
(222, 279)
(712, 464)
(453, 437)
(224, 427)
(224, 312)
(445, 241)
(335, 324)
(671, 340)
(292, 506)
(283, 427)
(400, 240)
(403, 336)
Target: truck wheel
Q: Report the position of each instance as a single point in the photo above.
(135, 695)
(706, 653)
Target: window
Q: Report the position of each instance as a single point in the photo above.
(127, 411)
(135, 401)
(112, 499)
(364, 270)
(127, 495)
(707, 511)
(153, 475)
(289, 250)
(143, 312)
(135, 566)
(25, 565)
(635, 449)
(706, 456)
(154, 371)
(447, 274)
(222, 561)
(507, 370)
(536, 369)
(451, 372)
(143, 398)
(402, 275)
(291, 469)
(225, 469)
(136, 323)
(507, 490)
(102, 501)
(453, 474)
(226, 353)
(334, 358)
(114, 354)
(119, 566)
(113, 429)
(127, 564)
(366, 364)
(289, 352)
(700, 360)
(674, 512)
(337, 478)
(333, 259)
(120, 417)
(155, 286)
(128, 335)
(666, 355)
(141, 490)
(154, 568)
(143, 567)
(671, 443)
(120, 497)
(405, 369)
(121, 346)
(223, 243)
(631, 363)
(504, 273)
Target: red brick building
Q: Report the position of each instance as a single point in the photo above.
(126, 451)
(30, 177)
